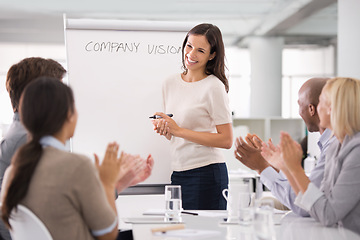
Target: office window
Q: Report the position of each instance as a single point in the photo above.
(298, 66)
(238, 63)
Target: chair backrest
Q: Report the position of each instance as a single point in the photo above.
(26, 225)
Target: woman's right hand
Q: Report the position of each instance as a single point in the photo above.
(110, 167)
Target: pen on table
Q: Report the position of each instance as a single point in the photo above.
(168, 228)
(191, 213)
(157, 116)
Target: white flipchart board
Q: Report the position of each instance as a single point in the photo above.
(116, 69)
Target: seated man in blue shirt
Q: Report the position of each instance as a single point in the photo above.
(249, 151)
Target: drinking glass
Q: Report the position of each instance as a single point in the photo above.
(173, 204)
(246, 213)
(263, 218)
(263, 224)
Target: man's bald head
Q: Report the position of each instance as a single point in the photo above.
(308, 100)
(312, 89)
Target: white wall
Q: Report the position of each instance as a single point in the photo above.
(348, 38)
(12, 53)
(266, 72)
(238, 64)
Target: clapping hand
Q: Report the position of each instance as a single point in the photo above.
(249, 153)
(272, 155)
(146, 172)
(291, 151)
(110, 168)
(134, 170)
(254, 141)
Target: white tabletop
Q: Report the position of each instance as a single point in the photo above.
(209, 224)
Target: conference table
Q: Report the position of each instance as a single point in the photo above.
(211, 225)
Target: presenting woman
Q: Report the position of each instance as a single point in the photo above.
(201, 122)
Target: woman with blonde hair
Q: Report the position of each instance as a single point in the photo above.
(337, 202)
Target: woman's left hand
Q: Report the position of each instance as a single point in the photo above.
(166, 125)
(160, 127)
(291, 151)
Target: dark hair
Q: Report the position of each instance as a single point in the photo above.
(215, 66)
(44, 108)
(25, 71)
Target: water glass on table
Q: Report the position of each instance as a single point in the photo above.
(246, 213)
(173, 203)
(263, 219)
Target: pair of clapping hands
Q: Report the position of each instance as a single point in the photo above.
(257, 155)
(124, 170)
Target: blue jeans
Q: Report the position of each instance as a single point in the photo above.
(201, 188)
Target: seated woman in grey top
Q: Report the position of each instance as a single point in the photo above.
(337, 202)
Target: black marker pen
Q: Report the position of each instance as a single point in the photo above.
(157, 116)
(191, 213)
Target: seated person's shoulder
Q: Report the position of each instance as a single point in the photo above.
(12, 141)
(69, 158)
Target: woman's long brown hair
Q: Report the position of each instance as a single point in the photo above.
(215, 66)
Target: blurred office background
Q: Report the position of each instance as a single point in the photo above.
(272, 46)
